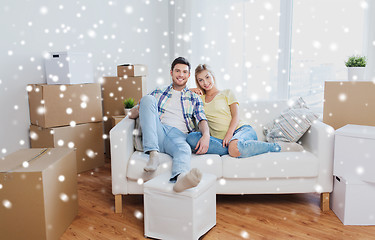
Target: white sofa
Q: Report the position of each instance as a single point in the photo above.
(270, 173)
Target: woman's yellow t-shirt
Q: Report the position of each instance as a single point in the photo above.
(218, 113)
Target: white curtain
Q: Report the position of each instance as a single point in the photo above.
(238, 39)
(370, 41)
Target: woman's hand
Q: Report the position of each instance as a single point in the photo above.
(197, 91)
(227, 139)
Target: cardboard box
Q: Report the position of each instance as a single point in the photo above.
(87, 138)
(60, 105)
(38, 193)
(114, 91)
(117, 119)
(353, 201)
(349, 103)
(354, 152)
(131, 70)
(68, 68)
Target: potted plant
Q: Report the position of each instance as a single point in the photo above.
(356, 67)
(129, 103)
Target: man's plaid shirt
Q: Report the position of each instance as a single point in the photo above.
(192, 106)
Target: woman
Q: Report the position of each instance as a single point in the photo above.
(228, 133)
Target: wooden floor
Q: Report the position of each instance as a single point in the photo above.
(295, 216)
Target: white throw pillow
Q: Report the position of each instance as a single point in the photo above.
(291, 124)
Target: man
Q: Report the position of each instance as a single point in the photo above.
(166, 117)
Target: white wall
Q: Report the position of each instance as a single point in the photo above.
(114, 32)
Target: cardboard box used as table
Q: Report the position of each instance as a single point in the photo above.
(353, 201)
(186, 215)
(38, 193)
(354, 154)
(60, 105)
(87, 138)
(114, 91)
(68, 68)
(131, 70)
(349, 102)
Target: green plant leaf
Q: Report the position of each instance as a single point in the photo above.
(356, 61)
(129, 102)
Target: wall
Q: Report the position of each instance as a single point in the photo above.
(113, 32)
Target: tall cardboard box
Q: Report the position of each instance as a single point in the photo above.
(114, 91)
(86, 138)
(68, 68)
(62, 105)
(131, 70)
(38, 193)
(349, 102)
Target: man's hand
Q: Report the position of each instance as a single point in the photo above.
(197, 91)
(203, 144)
(134, 112)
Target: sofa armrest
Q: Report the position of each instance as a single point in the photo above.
(121, 138)
(319, 140)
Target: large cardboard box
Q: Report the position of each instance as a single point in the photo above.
(354, 156)
(131, 70)
(68, 68)
(87, 138)
(353, 201)
(38, 193)
(114, 91)
(349, 103)
(61, 105)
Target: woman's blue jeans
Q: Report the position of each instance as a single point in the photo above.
(163, 138)
(248, 144)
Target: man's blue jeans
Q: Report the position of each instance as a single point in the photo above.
(163, 138)
(248, 144)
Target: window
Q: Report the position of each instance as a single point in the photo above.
(324, 34)
(271, 49)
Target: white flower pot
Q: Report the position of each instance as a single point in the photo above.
(127, 111)
(356, 73)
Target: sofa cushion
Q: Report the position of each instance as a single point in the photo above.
(208, 163)
(271, 165)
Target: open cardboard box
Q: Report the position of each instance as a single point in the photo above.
(38, 193)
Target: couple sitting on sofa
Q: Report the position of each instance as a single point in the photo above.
(167, 120)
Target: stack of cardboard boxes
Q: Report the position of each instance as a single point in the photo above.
(129, 83)
(68, 112)
(349, 107)
(39, 185)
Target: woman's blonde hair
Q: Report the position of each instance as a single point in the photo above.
(200, 68)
